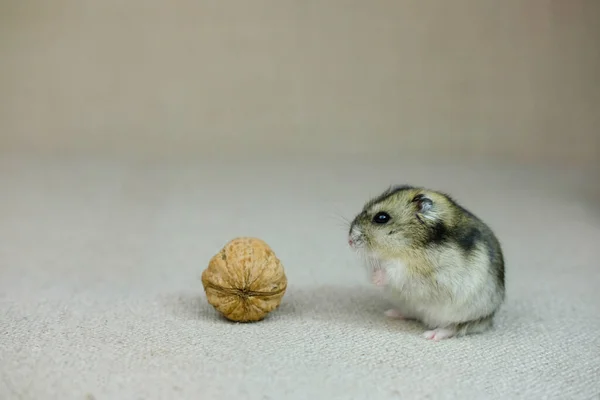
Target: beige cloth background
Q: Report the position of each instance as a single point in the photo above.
(468, 78)
(138, 136)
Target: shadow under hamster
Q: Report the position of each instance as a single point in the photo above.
(352, 306)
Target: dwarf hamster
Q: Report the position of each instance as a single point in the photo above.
(439, 263)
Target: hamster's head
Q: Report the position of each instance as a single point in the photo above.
(401, 218)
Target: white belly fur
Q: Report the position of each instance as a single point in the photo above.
(460, 290)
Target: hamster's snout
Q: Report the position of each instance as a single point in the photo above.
(354, 237)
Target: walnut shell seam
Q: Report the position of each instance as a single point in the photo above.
(245, 293)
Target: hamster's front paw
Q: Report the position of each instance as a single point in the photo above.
(378, 278)
(439, 334)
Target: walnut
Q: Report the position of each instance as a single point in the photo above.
(245, 281)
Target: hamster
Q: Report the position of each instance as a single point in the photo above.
(438, 263)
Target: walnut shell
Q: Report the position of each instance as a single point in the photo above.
(245, 281)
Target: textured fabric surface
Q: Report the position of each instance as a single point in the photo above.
(100, 295)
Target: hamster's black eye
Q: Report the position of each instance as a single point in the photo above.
(381, 218)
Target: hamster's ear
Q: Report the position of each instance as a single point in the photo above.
(423, 203)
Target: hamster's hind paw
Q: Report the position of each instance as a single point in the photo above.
(439, 334)
(394, 314)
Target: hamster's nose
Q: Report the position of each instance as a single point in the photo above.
(350, 242)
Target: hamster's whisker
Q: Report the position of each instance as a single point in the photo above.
(341, 220)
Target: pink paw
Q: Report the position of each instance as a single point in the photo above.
(394, 314)
(378, 278)
(439, 334)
